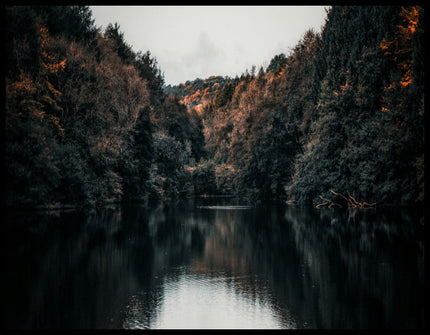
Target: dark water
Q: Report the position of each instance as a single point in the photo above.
(198, 266)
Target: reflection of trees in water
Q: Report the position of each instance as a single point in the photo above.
(318, 268)
(214, 244)
(274, 257)
(81, 269)
(358, 267)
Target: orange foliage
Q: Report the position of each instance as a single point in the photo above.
(406, 79)
(50, 63)
(54, 91)
(24, 86)
(410, 16)
(400, 47)
(53, 68)
(36, 98)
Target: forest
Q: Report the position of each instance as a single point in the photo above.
(198, 92)
(88, 121)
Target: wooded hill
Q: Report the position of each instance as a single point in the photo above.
(198, 92)
(89, 121)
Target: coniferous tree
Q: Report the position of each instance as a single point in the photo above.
(124, 51)
(88, 120)
(358, 139)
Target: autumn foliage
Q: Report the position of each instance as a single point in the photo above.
(86, 117)
(343, 110)
(89, 121)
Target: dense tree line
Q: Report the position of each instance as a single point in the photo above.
(197, 93)
(88, 120)
(254, 124)
(367, 134)
(343, 111)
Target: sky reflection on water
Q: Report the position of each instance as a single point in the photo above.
(210, 302)
(185, 266)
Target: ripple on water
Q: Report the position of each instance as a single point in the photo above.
(207, 302)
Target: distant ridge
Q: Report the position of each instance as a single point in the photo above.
(197, 92)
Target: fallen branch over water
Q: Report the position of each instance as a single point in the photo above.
(328, 202)
(349, 201)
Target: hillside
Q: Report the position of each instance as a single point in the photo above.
(197, 92)
(343, 112)
(90, 121)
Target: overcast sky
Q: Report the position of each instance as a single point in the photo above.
(192, 42)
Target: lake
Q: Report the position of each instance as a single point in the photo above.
(214, 263)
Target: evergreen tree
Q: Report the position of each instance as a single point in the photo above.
(148, 69)
(120, 46)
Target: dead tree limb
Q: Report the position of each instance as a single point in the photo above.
(350, 201)
(328, 202)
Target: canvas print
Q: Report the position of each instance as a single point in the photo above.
(214, 167)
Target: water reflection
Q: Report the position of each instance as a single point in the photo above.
(191, 300)
(191, 266)
(370, 267)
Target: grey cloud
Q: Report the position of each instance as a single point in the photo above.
(204, 58)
